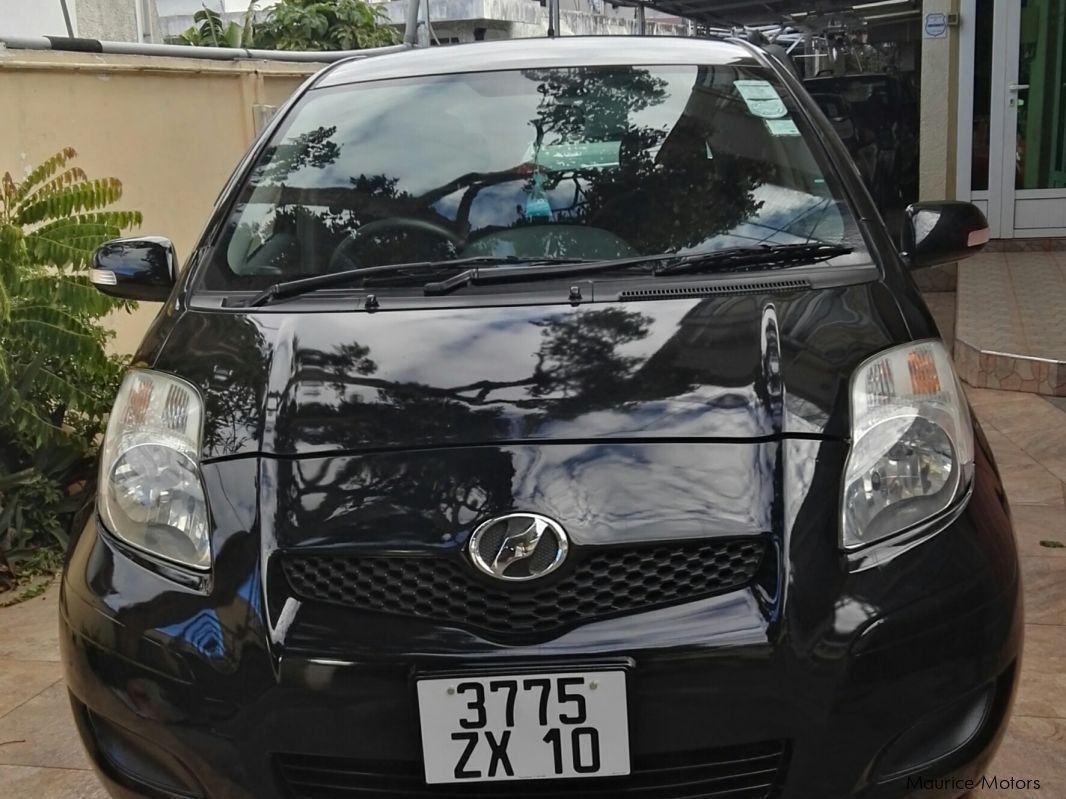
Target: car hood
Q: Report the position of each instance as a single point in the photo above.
(720, 368)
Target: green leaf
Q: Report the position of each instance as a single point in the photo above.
(31, 426)
(70, 292)
(44, 171)
(233, 35)
(9, 481)
(68, 178)
(113, 220)
(63, 390)
(52, 330)
(68, 200)
(7, 187)
(12, 246)
(324, 25)
(72, 243)
(56, 379)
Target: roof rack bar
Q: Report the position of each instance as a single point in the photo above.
(73, 44)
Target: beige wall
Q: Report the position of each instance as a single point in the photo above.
(171, 129)
(939, 104)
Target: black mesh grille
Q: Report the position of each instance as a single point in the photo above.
(605, 583)
(752, 771)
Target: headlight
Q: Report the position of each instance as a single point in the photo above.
(912, 443)
(150, 494)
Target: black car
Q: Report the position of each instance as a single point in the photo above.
(544, 418)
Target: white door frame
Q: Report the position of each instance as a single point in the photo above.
(1001, 201)
(967, 32)
(1003, 142)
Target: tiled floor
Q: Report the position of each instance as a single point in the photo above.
(40, 756)
(1012, 321)
(1028, 436)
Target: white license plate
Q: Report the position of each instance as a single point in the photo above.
(524, 726)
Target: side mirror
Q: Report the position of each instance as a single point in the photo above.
(144, 268)
(942, 232)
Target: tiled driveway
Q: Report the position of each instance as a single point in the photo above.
(40, 757)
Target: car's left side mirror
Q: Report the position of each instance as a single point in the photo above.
(942, 232)
(143, 268)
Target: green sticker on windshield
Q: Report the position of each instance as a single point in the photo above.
(761, 98)
(782, 127)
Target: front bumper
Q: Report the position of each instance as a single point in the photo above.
(907, 669)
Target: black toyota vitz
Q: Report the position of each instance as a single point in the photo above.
(544, 418)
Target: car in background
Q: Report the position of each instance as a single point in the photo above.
(543, 418)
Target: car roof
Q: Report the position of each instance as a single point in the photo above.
(565, 51)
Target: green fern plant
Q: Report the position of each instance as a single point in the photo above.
(56, 378)
(210, 30)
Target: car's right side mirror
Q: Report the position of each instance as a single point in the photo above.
(942, 232)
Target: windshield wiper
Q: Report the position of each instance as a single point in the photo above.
(293, 288)
(733, 259)
(763, 256)
(492, 275)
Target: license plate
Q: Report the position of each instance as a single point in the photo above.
(524, 726)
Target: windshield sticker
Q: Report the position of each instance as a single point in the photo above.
(782, 127)
(761, 98)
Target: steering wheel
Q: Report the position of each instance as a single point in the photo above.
(358, 236)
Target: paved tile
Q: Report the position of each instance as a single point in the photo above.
(21, 680)
(1045, 590)
(1047, 446)
(1025, 479)
(1058, 402)
(1042, 694)
(980, 397)
(31, 629)
(41, 733)
(1032, 749)
(1039, 527)
(1010, 330)
(26, 782)
(1045, 648)
(988, 316)
(1024, 421)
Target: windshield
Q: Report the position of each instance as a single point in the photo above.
(576, 163)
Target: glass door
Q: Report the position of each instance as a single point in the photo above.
(1032, 86)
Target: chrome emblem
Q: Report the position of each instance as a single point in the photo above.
(519, 546)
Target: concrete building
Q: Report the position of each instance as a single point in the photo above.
(455, 21)
(462, 21)
(112, 20)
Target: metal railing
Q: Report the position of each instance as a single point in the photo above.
(416, 34)
(77, 45)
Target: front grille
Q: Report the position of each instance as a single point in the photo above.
(603, 583)
(752, 771)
